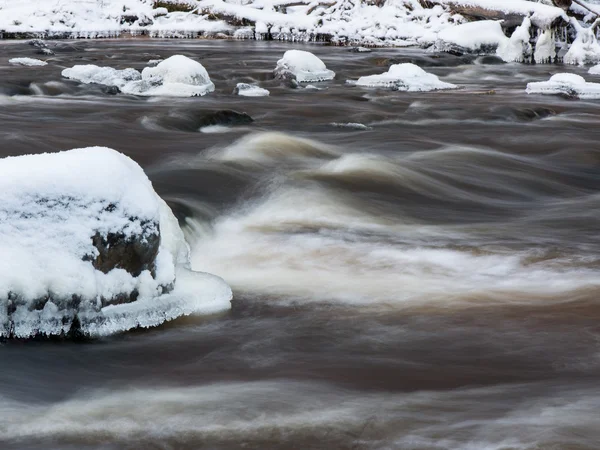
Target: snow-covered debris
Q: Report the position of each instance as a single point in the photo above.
(31, 62)
(177, 76)
(541, 15)
(92, 74)
(545, 47)
(404, 77)
(566, 84)
(302, 66)
(250, 90)
(517, 48)
(485, 36)
(81, 233)
(585, 48)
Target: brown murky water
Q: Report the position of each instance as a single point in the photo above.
(429, 282)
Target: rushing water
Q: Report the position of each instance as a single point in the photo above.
(428, 282)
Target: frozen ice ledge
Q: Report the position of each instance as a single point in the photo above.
(88, 248)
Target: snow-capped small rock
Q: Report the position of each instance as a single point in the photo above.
(595, 70)
(92, 74)
(566, 84)
(177, 76)
(31, 62)
(249, 90)
(404, 77)
(303, 67)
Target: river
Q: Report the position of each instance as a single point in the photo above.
(427, 281)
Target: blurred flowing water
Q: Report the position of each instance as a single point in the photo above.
(427, 281)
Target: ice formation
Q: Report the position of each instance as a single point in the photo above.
(585, 48)
(303, 66)
(249, 90)
(567, 84)
(52, 208)
(32, 62)
(517, 48)
(404, 77)
(177, 76)
(90, 73)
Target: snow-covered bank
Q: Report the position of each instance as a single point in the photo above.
(426, 23)
(82, 233)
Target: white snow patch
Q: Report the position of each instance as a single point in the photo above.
(32, 62)
(404, 77)
(352, 126)
(568, 84)
(304, 66)
(249, 90)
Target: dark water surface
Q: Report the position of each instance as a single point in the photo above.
(429, 282)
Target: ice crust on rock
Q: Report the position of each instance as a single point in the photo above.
(302, 66)
(31, 62)
(51, 206)
(567, 84)
(404, 77)
(92, 74)
(250, 90)
(177, 76)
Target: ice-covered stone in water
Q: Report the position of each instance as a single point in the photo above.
(32, 62)
(177, 76)
(92, 74)
(249, 90)
(566, 84)
(404, 77)
(302, 66)
(83, 232)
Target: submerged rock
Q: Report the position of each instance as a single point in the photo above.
(224, 117)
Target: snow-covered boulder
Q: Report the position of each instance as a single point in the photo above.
(92, 74)
(566, 84)
(177, 76)
(404, 77)
(303, 67)
(82, 233)
(482, 37)
(31, 62)
(250, 90)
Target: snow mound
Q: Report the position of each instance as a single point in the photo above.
(303, 66)
(567, 84)
(404, 77)
(92, 74)
(249, 90)
(595, 70)
(484, 36)
(177, 76)
(32, 62)
(52, 207)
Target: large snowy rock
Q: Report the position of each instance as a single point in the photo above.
(566, 84)
(81, 233)
(302, 66)
(404, 77)
(177, 76)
